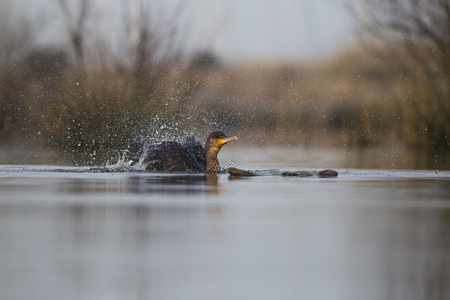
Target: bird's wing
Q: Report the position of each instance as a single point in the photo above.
(168, 156)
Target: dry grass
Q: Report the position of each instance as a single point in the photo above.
(355, 99)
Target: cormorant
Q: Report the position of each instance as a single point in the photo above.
(166, 155)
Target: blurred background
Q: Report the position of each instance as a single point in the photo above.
(79, 78)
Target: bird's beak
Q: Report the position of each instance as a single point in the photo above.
(225, 140)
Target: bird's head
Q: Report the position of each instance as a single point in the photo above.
(217, 139)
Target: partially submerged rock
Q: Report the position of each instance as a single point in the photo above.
(324, 173)
(296, 173)
(239, 172)
(328, 173)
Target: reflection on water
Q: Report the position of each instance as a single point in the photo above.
(417, 255)
(146, 184)
(256, 156)
(375, 158)
(298, 157)
(363, 235)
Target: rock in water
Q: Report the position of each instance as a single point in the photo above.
(328, 173)
(239, 172)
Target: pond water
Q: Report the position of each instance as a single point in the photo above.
(84, 233)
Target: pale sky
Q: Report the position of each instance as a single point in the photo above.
(284, 29)
(234, 29)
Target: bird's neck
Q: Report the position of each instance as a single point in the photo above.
(212, 164)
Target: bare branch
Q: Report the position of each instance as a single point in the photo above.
(75, 25)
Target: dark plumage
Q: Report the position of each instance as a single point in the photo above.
(163, 155)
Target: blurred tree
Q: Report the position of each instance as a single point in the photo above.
(417, 33)
(151, 33)
(205, 61)
(15, 33)
(75, 20)
(46, 62)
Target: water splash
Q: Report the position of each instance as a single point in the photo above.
(229, 165)
(122, 165)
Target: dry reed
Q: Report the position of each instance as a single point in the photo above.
(355, 99)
